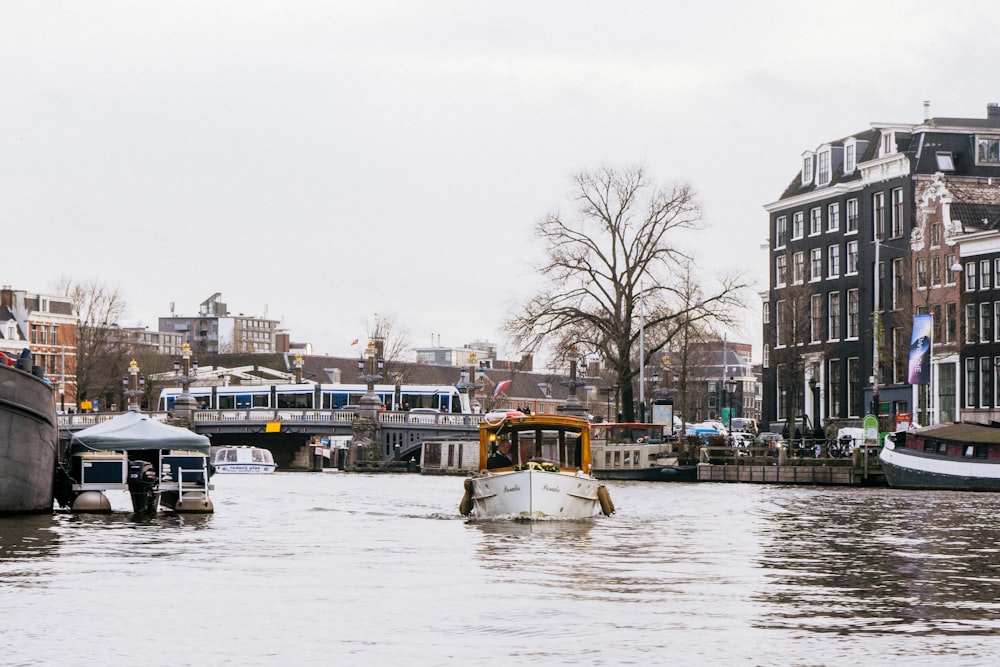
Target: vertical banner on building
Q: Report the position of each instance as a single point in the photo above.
(920, 350)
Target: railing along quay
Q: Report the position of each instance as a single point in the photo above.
(769, 465)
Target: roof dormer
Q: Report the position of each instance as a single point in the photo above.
(808, 165)
(888, 143)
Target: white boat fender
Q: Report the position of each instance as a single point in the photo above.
(604, 497)
(465, 507)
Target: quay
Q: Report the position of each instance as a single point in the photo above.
(762, 465)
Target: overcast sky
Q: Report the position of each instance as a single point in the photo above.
(319, 162)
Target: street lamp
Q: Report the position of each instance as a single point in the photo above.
(185, 370)
(572, 405)
(370, 365)
(731, 392)
(133, 385)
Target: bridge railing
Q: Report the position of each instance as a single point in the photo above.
(82, 420)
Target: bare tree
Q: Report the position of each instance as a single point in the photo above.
(392, 343)
(613, 271)
(100, 349)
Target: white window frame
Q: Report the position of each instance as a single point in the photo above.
(897, 221)
(780, 232)
(850, 155)
(853, 318)
(987, 150)
(970, 276)
(833, 217)
(798, 225)
(815, 221)
(824, 171)
(984, 274)
(851, 268)
(798, 268)
(815, 264)
(833, 317)
(781, 270)
(852, 215)
(808, 163)
(833, 261)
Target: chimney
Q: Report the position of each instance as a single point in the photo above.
(927, 110)
(993, 111)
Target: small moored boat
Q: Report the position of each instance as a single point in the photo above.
(243, 459)
(535, 467)
(637, 452)
(957, 457)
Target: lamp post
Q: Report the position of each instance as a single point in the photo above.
(731, 393)
(370, 365)
(133, 384)
(572, 405)
(185, 370)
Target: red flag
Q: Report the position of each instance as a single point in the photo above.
(500, 387)
(354, 342)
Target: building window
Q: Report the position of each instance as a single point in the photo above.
(833, 218)
(807, 168)
(949, 275)
(815, 221)
(945, 161)
(781, 232)
(985, 382)
(852, 216)
(766, 361)
(970, 276)
(815, 264)
(767, 313)
(854, 394)
(816, 318)
(833, 261)
(779, 324)
(996, 320)
(987, 150)
(950, 322)
(971, 390)
(834, 393)
(878, 215)
(823, 168)
(935, 271)
(798, 268)
(922, 273)
(935, 234)
(985, 323)
(852, 257)
(780, 270)
(971, 336)
(833, 315)
(897, 213)
(850, 156)
(897, 283)
(798, 225)
(853, 314)
(984, 274)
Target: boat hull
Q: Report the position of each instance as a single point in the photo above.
(535, 494)
(28, 443)
(678, 473)
(245, 468)
(910, 469)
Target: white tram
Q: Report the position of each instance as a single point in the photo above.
(311, 396)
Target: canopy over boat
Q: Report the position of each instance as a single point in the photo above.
(135, 431)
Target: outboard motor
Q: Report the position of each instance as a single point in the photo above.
(144, 486)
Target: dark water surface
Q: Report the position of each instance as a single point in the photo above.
(318, 569)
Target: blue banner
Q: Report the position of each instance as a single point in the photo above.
(920, 350)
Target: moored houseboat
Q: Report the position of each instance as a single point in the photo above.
(637, 452)
(958, 457)
(28, 437)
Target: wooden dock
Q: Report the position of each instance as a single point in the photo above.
(721, 465)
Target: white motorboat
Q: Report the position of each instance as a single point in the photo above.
(243, 459)
(535, 467)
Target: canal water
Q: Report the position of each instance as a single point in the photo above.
(321, 568)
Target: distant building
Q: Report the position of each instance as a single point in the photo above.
(47, 326)
(868, 234)
(215, 330)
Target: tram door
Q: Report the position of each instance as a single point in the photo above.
(243, 401)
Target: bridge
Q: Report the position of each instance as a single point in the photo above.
(291, 434)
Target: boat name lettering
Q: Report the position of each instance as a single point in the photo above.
(554, 489)
(511, 489)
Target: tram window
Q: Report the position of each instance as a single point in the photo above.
(260, 401)
(295, 400)
(227, 402)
